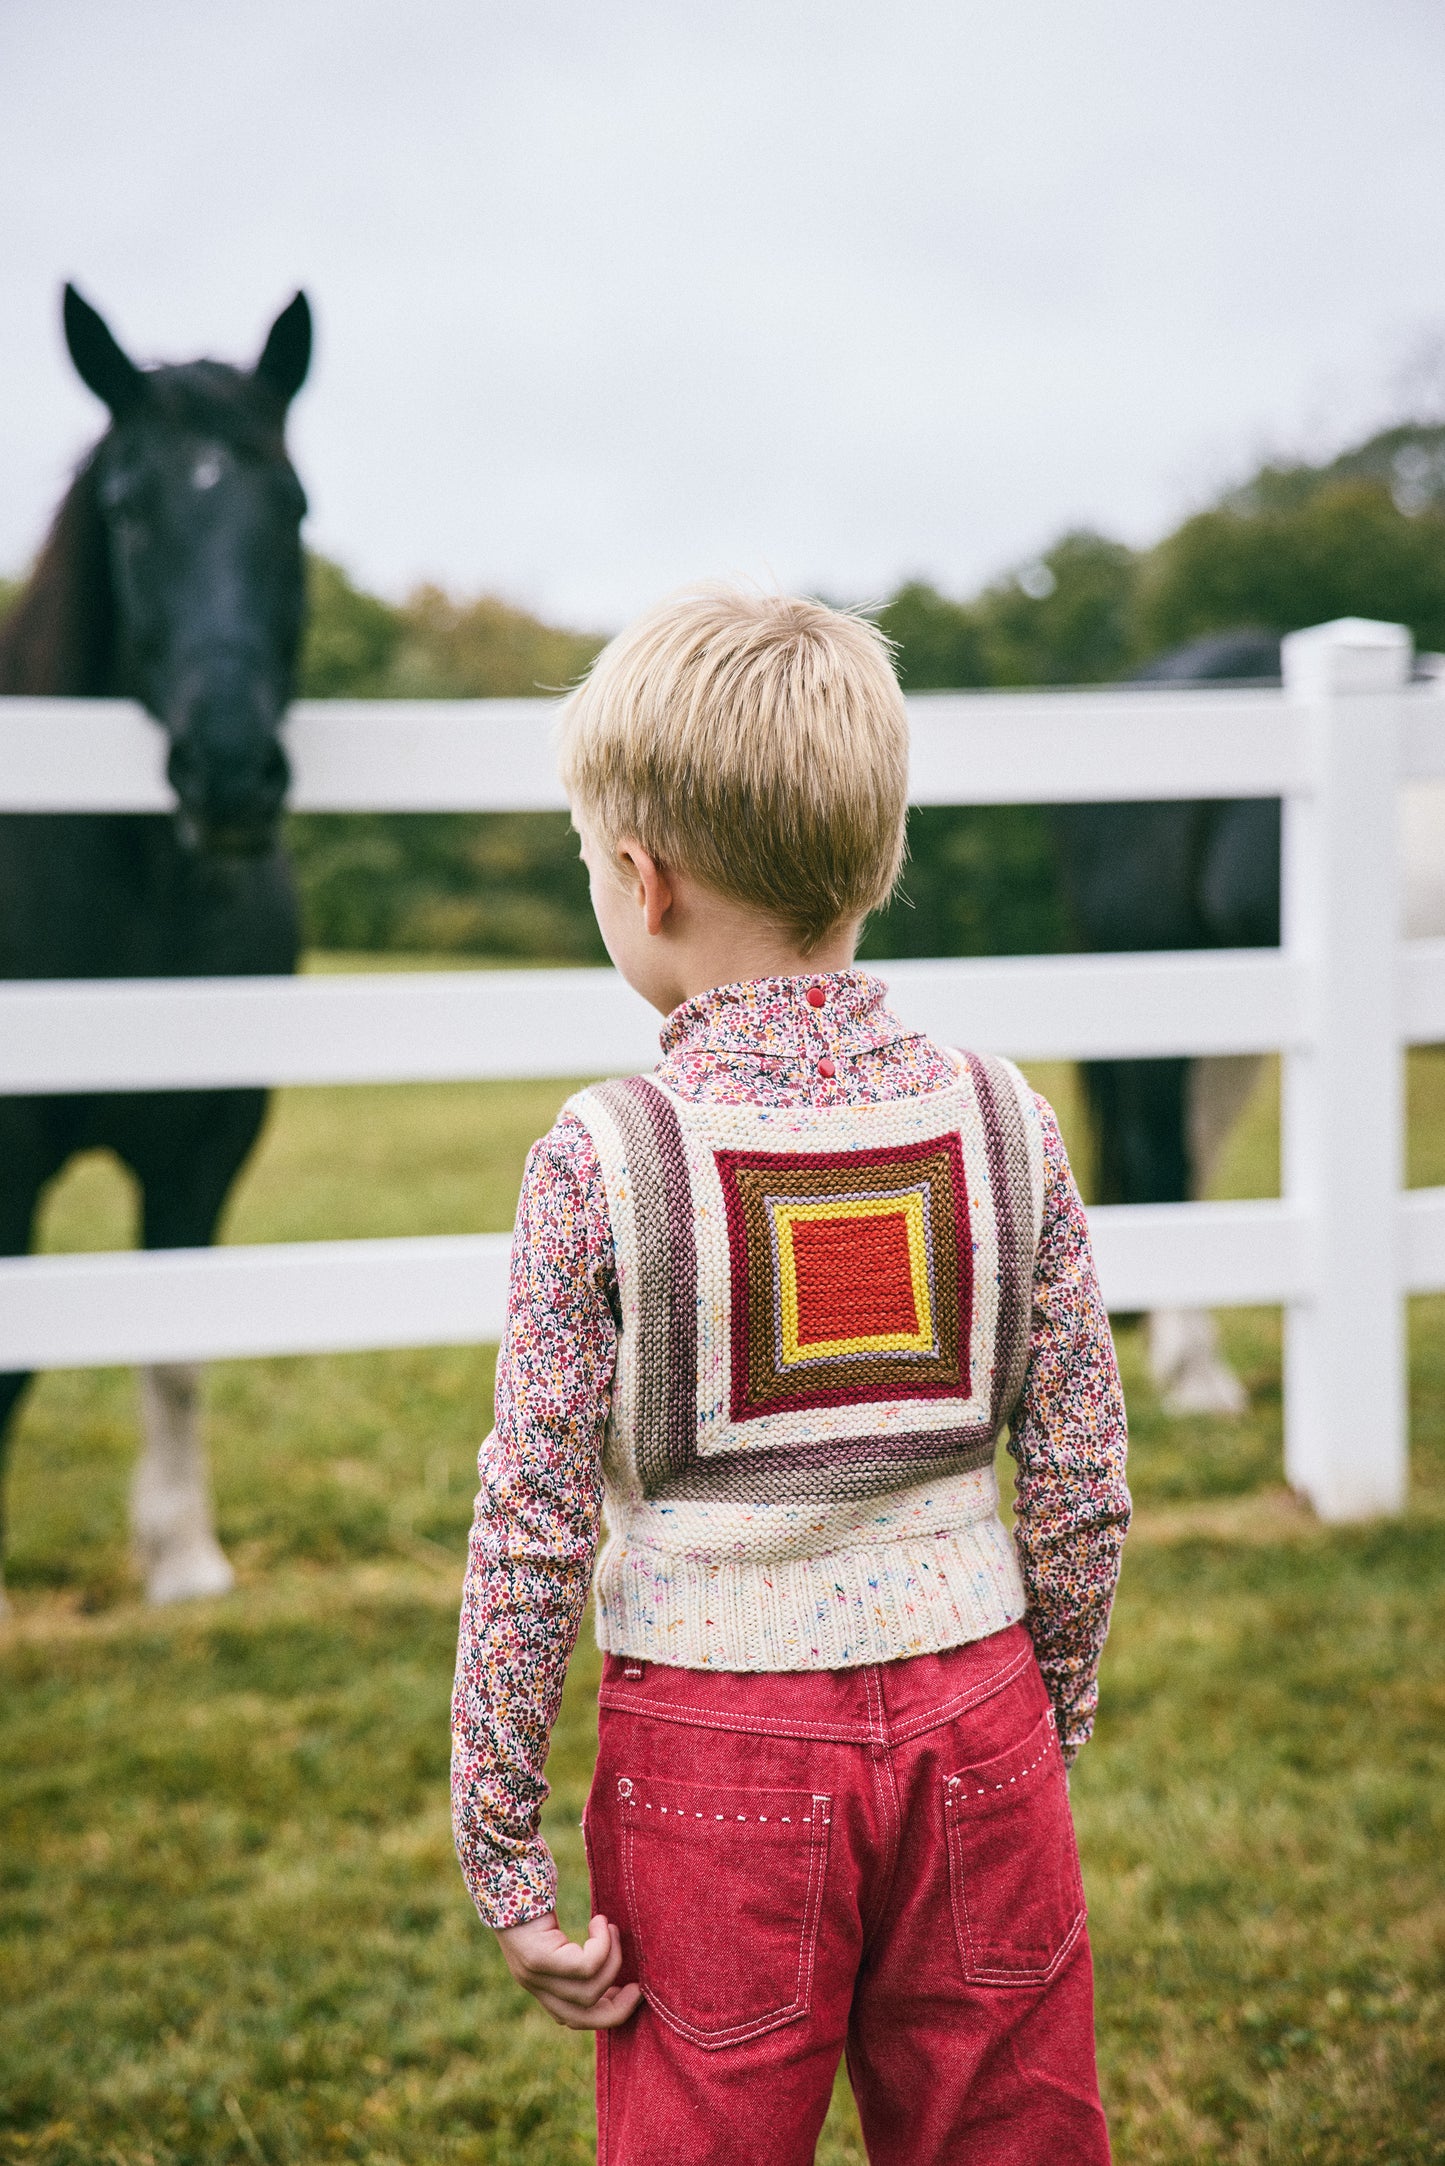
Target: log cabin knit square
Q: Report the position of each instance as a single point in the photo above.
(824, 1329)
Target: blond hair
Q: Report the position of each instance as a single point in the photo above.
(758, 742)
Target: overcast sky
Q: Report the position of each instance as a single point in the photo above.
(613, 294)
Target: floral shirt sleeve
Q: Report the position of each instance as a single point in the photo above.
(534, 1533)
(1069, 1439)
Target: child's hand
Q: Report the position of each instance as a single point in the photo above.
(573, 1984)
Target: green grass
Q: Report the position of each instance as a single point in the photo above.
(231, 1926)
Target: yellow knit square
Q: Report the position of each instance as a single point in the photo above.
(840, 1211)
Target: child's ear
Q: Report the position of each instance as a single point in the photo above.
(625, 865)
(657, 898)
(651, 886)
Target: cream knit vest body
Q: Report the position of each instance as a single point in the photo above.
(824, 1329)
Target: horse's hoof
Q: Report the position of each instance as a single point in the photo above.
(196, 1572)
(1215, 1390)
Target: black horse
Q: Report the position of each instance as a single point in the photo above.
(1182, 875)
(172, 575)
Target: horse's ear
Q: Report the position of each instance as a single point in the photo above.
(286, 355)
(100, 362)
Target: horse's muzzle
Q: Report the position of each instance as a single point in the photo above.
(230, 790)
(233, 838)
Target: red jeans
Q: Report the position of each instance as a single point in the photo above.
(880, 1860)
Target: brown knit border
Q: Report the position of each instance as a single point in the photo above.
(866, 1376)
(749, 1179)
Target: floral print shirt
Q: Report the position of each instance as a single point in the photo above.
(538, 1513)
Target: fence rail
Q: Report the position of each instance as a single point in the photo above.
(450, 1289)
(1339, 1000)
(996, 748)
(467, 1025)
(429, 1026)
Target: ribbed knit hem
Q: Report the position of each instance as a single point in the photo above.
(912, 1597)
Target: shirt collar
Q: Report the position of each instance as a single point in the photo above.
(773, 1018)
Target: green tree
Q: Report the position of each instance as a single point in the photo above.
(1361, 534)
(979, 881)
(1064, 619)
(1342, 549)
(486, 884)
(483, 649)
(503, 884)
(352, 638)
(1408, 460)
(936, 642)
(980, 878)
(429, 646)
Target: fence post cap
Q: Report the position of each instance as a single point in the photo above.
(1351, 654)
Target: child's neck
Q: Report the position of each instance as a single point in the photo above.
(746, 964)
(742, 962)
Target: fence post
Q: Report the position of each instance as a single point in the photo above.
(1343, 1091)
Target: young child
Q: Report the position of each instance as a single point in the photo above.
(772, 1309)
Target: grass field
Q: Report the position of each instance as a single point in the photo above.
(231, 1927)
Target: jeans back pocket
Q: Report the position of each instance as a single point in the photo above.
(723, 1890)
(1013, 1863)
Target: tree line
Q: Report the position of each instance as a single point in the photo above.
(1362, 534)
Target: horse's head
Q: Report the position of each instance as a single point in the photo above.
(202, 512)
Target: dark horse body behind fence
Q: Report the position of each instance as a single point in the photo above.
(1199, 874)
(173, 576)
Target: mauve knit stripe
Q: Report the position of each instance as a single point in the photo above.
(667, 1256)
(1021, 1188)
(839, 1471)
(1008, 1165)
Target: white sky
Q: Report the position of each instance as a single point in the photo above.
(613, 294)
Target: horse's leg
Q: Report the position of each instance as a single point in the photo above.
(1144, 1120)
(13, 1386)
(1185, 1360)
(1220, 1087)
(32, 1149)
(1137, 1114)
(172, 1516)
(1188, 1370)
(186, 1149)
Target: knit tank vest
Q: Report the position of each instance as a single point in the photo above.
(824, 1329)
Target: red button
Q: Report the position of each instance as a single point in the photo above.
(825, 1066)
(815, 996)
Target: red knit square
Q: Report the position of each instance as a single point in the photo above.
(854, 1277)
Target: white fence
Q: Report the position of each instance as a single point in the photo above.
(1339, 1000)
